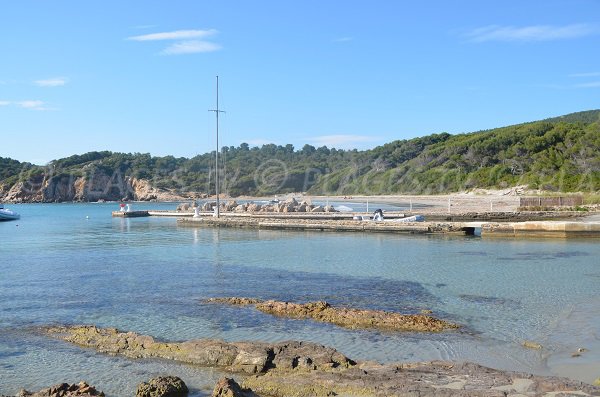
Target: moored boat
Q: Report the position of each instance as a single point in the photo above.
(8, 215)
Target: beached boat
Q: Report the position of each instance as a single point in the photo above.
(8, 215)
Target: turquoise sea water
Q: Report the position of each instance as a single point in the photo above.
(74, 264)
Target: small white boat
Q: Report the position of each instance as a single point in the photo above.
(8, 215)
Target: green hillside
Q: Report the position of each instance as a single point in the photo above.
(557, 154)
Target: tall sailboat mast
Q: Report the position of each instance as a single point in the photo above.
(217, 111)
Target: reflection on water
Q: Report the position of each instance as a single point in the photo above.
(150, 275)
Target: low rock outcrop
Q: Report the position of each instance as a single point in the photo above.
(162, 386)
(302, 369)
(344, 317)
(435, 378)
(81, 389)
(245, 357)
(227, 387)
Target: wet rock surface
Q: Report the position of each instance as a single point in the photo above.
(81, 389)
(344, 317)
(162, 386)
(245, 357)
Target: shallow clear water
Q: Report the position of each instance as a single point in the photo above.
(74, 264)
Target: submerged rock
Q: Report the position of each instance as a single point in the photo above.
(163, 386)
(227, 387)
(238, 301)
(531, 345)
(345, 317)
(81, 389)
(245, 357)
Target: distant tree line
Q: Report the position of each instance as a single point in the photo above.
(561, 154)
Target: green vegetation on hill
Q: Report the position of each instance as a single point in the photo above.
(558, 154)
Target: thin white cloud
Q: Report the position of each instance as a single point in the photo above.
(589, 74)
(32, 105)
(53, 82)
(530, 33)
(593, 84)
(190, 47)
(175, 35)
(342, 39)
(342, 141)
(187, 41)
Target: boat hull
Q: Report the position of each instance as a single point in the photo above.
(8, 215)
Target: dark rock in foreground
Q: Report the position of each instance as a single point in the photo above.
(344, 317)
(163, 386)
(227, 387)
(248, 357)
(80, 389)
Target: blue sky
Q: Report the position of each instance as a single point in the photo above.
(139, 76)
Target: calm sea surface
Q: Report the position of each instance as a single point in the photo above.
(74, 264)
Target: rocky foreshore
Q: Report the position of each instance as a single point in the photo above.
(81, 389)
(344, 317)
(435, 378)
(300, 369)
(243, 357)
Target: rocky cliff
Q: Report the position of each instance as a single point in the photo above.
(44, 188)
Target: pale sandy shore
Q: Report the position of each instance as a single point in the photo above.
(458, 203)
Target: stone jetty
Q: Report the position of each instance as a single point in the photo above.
(300, 369)
(290, 205)
(540, 229)
(344, 317)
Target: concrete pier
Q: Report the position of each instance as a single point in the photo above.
(130, 214)
(540, 229)
(325, 225)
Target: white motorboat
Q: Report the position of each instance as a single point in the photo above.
(8, 215)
